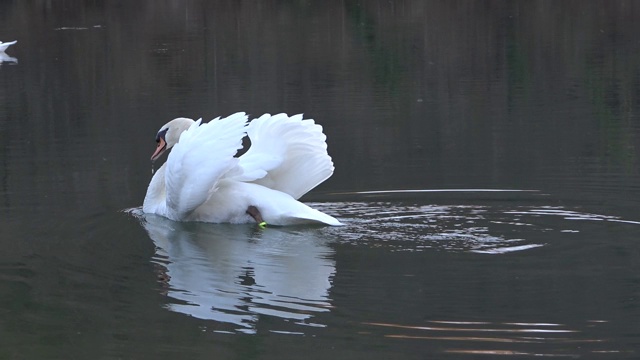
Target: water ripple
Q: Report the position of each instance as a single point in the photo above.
(496, 226)
(472, 338)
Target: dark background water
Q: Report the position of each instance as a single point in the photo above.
(413, 95)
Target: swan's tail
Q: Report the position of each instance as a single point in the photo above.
(316, 217)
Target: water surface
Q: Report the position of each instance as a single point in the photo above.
(487, 171)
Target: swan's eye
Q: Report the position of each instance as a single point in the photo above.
(161, 135)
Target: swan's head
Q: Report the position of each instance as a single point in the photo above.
(169, 134)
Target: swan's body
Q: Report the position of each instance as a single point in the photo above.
(5, 45)
(202, 180)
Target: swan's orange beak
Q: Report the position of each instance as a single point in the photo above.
(162, 146)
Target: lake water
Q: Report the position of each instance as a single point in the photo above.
(487, 161)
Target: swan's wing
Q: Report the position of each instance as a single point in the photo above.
(5, 45)
(203, 155)
(288, 154)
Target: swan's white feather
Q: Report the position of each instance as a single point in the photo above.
(203, 181)
(229, 203)
(200, 159)
(5, 45)
(287, 154)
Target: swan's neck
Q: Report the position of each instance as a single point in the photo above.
(155, 200)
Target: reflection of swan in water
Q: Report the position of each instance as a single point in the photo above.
(235, 273)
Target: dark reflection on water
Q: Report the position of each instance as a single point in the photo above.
(532, 104)
(455, 299)
(549, 340)
(504, 277)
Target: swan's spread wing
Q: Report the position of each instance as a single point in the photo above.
(5, 45)
(288, 154)
(203, 155)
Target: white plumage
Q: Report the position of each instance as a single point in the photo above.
(203, 181)
(5, 45)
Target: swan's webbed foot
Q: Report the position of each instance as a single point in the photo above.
(255, 214)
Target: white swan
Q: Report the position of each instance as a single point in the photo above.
(5, 45)
(6, 58)
(202, 180)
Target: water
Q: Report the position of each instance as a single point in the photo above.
(487, 171)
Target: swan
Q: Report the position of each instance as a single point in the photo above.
(6, 58)
(5, 45)
(203, 179)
